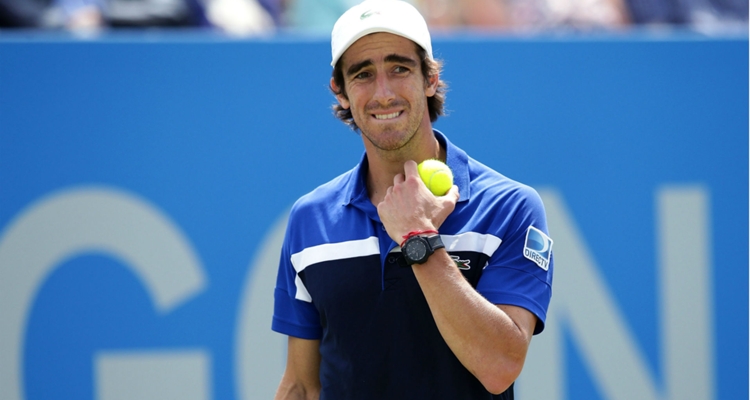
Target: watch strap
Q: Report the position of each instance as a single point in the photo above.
(436, 242)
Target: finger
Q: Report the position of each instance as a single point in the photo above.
(399, 178)
(410, 169)
(453, 194)
(385, 198)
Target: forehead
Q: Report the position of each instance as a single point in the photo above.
(376, 46)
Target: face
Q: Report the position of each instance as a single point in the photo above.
(386, 91)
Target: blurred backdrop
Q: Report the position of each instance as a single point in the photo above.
(149, 154)
(248, 17)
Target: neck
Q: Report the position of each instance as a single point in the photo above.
(384, 166)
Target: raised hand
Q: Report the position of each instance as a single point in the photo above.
(409, 206)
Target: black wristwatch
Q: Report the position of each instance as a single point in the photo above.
(417, 249)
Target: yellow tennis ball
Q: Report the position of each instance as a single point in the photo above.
(436, 175)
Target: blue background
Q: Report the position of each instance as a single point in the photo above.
(223, 135)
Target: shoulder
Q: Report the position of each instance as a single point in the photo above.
(314, 215)
(497, 205)
(320, 199)
(488, 184)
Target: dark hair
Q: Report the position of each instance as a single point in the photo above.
(429, 68)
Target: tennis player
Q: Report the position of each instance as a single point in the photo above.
(385, 290)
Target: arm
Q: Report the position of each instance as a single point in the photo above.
(301, 379)
(490, 341)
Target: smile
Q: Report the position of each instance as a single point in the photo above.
(387, 116)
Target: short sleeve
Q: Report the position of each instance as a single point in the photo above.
(519, 272)
(292, 316)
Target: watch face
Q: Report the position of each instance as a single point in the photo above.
(416, 250)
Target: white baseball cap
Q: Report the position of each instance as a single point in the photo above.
(371, 16)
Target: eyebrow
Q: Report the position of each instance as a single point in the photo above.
(393, 58)
(354, 68)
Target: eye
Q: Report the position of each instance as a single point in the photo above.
(400, 69)
(362, 75)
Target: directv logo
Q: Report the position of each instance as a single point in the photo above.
(538, 247)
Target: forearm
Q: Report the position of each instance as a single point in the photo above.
(301, 377)
(487, 341)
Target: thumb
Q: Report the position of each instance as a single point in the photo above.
(448, 201)
(452, 194)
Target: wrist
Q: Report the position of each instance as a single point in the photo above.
(418, 247)
(423, 232)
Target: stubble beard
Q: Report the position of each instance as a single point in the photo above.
(397, 141)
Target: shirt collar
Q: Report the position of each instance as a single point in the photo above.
(457, 160)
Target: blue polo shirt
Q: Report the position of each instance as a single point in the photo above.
(342, 280)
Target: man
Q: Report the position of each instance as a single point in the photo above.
(367, 320)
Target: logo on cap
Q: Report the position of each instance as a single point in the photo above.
(538, 247)
(368, 14)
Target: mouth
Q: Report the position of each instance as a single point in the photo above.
(387, 116)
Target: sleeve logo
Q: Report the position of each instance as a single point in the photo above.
(538, 247)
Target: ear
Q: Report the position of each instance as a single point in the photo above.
(343, 101)
(432, 85)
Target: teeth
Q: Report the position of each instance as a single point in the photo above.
(386, 116)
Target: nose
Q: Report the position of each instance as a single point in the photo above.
(383, 90)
